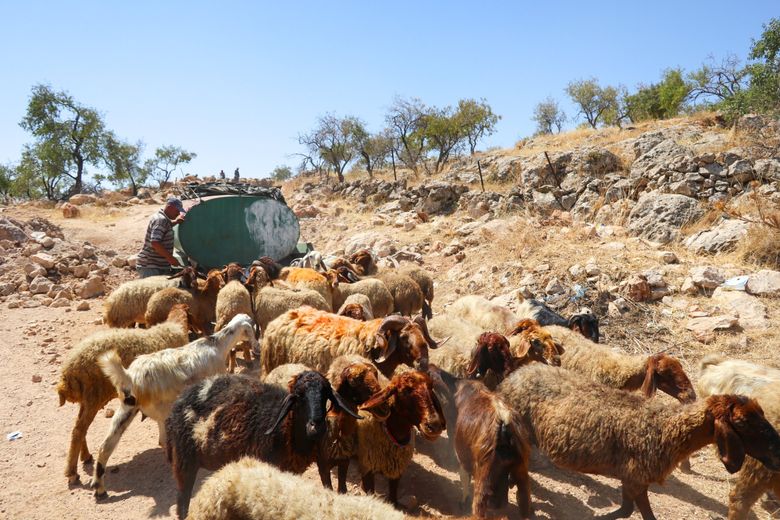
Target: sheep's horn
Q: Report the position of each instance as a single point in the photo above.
(420, 322)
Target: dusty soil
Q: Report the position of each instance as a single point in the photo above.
(33, 342)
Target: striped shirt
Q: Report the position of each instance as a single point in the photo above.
(158, 230)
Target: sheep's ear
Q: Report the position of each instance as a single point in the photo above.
(649, 386)
(376, 404)
(287, 405)
(426, 310)
(339, 401)
(730, 448)
(472, 371)
(389, 346)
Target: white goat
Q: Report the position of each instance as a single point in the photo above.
(152, 382)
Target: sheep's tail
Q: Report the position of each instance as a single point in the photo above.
(111, 365)
(711, 360)
(62, 391)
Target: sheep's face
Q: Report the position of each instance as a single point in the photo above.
(417, 403)
(491, 354)
(413, 347)
(587, 325)
(359, 381)
(670, 378)
(740, 429)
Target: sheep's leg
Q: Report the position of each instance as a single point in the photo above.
(247, 353)
(78, 440)
(392, 484)
(520, 474)
(643, 503)
(626, 508)
(745, 492)
(465, 486)
(185, 478)
(232, 361)
(343, 467)
(323, 467)
(367, 482)
(119, 424)
(685, 465)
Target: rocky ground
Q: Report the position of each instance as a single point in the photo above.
(622, 222)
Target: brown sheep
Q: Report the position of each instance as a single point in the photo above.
(202, 303)
(528, 334)
(407, 297)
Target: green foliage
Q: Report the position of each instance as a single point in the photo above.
(166, 160)
(42, 172)
(406, 119)
(476, 120)
(333, 140)
(764, 89)
(65, 129)
(593, 100)
(372, 148)
(548, 115)
(659, 100)
(124, 162)
(444, 133)
(281, 173)
(7, 177)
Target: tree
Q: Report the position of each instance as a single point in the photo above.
(645, 103)
(765, 73)
(547, 115)
(281, 173)
(444, 133)
(56, 120)
(476, 120)
(406, 119)
(166, 160)
(717, 82)
(593, 100)
(42, 170)
(372, 148)
(124, 162)
(7, 177)
(333, 140)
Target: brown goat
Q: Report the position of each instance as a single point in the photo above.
(202, 303)
(385, 435)
(531, 335)
(492, 447)
(492, 360)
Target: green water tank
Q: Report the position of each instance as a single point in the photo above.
(237, 228)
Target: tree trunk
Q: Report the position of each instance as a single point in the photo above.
(77, 186)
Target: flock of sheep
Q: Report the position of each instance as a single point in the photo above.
(347, 374)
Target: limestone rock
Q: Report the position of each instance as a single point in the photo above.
(706, 277)
(40, 285)
(91, 288)
(723, 237)
(764, 283)
(659, 217)
(44, 260)
(751, 312)
(82, 198)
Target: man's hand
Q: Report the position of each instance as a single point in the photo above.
(178, 220)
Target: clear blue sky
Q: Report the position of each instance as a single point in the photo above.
(236, 82)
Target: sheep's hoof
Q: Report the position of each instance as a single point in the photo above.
(73, 479)
(88, 460)
(100, 496)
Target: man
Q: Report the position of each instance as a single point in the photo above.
(156, 257)
(236, 176)
(222, 174)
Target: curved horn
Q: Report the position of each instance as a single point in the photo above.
(393, 322)
(342, 403)
(420, 321)
(287, 405)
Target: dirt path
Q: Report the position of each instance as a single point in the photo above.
(33, 342)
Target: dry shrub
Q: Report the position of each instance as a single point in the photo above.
(761, 246)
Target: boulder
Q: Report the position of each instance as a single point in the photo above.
(764, 283)
(749, 309)
(659, 217)
(704, 327)
(10, 231)
(637, 288)
(40, 285)
(91, 288)
(706, 277)
(70, 211)
(82, 198)
(723, 237)
(44, 260)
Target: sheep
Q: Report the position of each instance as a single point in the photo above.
(81, 380)
(221, 419)
(281, 375)
(455, 355)
(364, 262)
(584, 322)
(425, 282)
(382, 303)
(269, 265)
(407, 296)
(126, 305)
(272, 302)
(719, 375)
(492, 360)
(253, 490)
(152, 382)
(627, 372)
(202, 302)
(385, 439)
(233, 299)
(597, 429)
(492, 447)
(527, 334)
(305, 278)
(482, 313)
(315, 338)
(357, 306)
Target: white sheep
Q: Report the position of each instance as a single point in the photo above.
(233, 299)
(455, 355)
(82, 381)
(357, 306)
(271, 302)
(253, 490)
(490, 317)
(152, 382)
(720, 375)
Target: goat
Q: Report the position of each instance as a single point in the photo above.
(152, 382)
(597, 429)
(224, 418)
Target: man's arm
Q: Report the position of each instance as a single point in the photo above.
(160, 249)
